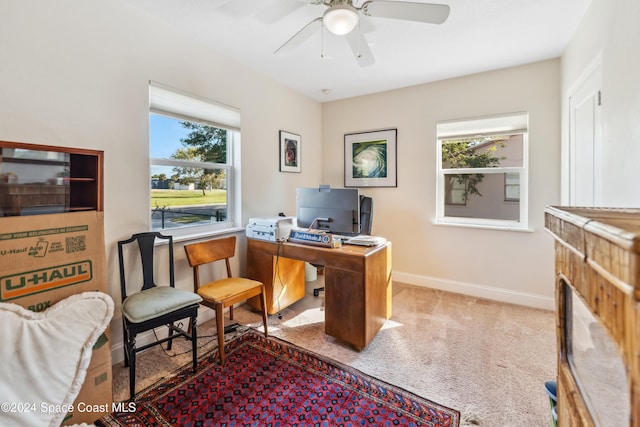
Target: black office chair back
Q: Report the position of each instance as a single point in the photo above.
(366, 214)
(146, 244)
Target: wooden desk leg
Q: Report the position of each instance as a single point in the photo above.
(358, 304)
(345, 311)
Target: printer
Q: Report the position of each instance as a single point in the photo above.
(273, 228)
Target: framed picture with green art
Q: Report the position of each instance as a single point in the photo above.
(370, 159)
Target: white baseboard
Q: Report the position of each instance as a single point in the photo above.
(476, 290)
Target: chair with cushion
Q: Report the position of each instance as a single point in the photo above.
(222, 293)
(146, 306)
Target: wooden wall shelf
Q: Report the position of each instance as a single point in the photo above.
(40, 179)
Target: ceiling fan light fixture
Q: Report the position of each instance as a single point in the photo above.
(340, 19)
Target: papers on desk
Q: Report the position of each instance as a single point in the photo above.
(364, 240)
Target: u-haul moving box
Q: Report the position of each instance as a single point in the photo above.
(46, 258)
(96, 394)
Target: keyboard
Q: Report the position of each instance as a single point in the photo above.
(344, 237)
(364, 240)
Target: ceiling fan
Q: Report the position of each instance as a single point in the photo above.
(342, 17)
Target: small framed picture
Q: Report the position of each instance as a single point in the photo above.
(289, 152)
(370, 159)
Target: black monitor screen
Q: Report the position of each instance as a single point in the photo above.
(335, 210)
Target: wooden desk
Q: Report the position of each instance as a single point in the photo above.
(357, 284)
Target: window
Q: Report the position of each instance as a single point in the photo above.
(455, 190)
(511, 187)
(192, 143)
(482, 172)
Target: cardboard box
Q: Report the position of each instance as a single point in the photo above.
(95, 398)
(96, 395)
(46, 258)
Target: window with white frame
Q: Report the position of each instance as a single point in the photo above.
(482, 172)
(192, 144)
(512, 187)
(455, 192)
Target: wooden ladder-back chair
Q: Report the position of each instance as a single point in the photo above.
(221, 293)
(151, 306)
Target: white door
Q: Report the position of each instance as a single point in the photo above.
(585, 141)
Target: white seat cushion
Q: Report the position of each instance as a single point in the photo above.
(155, 302)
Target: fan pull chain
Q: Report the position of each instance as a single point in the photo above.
(322, 41)
(360, 41)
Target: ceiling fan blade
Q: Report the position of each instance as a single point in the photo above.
(237, 9)
(301, 36)
(360, 48)
(409, 11)
(278, 10)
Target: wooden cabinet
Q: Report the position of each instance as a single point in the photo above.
(597, 315)
(42, 179)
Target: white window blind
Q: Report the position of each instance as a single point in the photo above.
(494, 125)
(172, 102)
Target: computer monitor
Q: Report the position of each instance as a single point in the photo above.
(335, 210)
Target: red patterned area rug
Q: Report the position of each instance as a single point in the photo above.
(269, 382)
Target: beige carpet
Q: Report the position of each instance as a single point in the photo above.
(488, 360)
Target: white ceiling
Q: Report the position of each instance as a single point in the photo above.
(479, 35)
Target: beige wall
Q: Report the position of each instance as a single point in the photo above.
(75, 73)
(609, 30)
(504, 265)
(82, 82)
